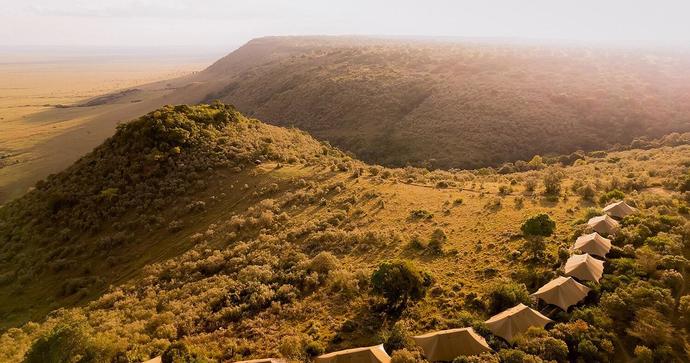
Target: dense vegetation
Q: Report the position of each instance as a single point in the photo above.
(455, 104)
(197, 233)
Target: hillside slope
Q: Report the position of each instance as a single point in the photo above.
(455, 104)
(397, 102)
(199, 226)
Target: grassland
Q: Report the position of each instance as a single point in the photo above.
(36, 138)
(244, 240)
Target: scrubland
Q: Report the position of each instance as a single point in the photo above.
(196, 229)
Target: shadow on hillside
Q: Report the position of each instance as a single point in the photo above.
(361, 330)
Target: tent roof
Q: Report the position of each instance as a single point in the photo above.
(155, 360)
(603, 224)
(516, 320)
(594, 244)
(619, 209)
(584, 267)
(264, 360)
(562, 292)
(446, 345)
(373, 354)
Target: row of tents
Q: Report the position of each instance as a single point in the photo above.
(563, 292)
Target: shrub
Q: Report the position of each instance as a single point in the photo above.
(612, 195)
(313, 348)
(177, 353)
(517, 356)
(403, 356)
(420, 214)
(437, 240)
(586, 192)
(506, 294)
(324, 262)
(552, 182)
(538, 225)
(651, 327)
(530, 185)
(643, 354)
(400, 282)
(684, 185)
(397, 338)
(71, 341)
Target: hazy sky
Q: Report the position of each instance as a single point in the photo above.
(221, 24)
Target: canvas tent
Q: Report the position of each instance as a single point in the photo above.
(154, 360)
(594, 244)
(515, 321)
(265, 360)
(603, 224)
(584, 267)
(619, 209)
(375, 354)
(562, 292)
(446, 345)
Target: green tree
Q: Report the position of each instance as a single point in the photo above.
(539, 225)
(506, 294)
(72, 341)
(399, 282)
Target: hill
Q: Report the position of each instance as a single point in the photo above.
(453, 103)
(234, 239)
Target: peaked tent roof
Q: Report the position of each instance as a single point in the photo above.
(584, 267)
(446, 345)
(374, 354)
(619, 209)
(155, 360)
(515, 321)
(594, 244)
(603, 224)
(265, 360)
(562, 292)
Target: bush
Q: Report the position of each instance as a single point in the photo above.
(403, 356)
(400, 282)
(324, 262)
(586, 192)
(552, 182)
(517, 356)
(438, 239)
(612, 195)
(177, 353)
(643, 354)
(538, 225)
(504, 295)
(72, 341)
(420, 214)
(397, 338)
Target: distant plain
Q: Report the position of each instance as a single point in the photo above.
(33, 87)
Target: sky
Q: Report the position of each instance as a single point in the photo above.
(219, 24)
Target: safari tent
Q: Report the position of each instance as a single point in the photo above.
(515, 321)
(584, 267)
(446, 345)
(155, 360)
(603, 224)
(594, 244)
(562, 292)
(265, 360)
(375, 354)
(619, 209)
